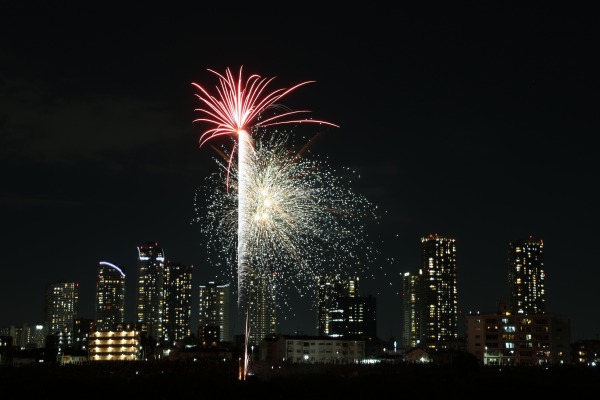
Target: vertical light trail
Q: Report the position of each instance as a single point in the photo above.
(244, 160)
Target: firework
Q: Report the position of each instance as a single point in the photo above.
(302, 218)
(238, 108)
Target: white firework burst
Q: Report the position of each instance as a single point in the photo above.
(303, 220)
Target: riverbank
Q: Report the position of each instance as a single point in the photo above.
(169, 380)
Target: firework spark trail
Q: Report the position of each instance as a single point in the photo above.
(302, 219)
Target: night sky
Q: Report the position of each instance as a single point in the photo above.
(473, 123)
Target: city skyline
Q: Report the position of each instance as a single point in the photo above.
(473, 123)
(310, 315)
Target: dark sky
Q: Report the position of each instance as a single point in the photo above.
(474, 123)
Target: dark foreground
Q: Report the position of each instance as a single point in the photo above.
(172, 380)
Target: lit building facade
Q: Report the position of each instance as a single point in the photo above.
(330, 314)
(215, 313)
(311, 350)
(34, 336)
(503, 338)
(110, 297)
(18, 335)
(586, 352)
(123, 345)
(430, 301)
(150, 289)
(82, 328)
(358, 317)
(60, 311)
(526, 277)
(411, 309)
(25, 336)
(178, 302)
(261, 307)
(439, 315)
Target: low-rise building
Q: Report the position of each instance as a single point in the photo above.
(502, 338)
(124, 345)
(311, 350)
(586, 352)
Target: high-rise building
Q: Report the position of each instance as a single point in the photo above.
(439, 323)
(215, 312)
(260, 307)
(26, 336)
(150, 289)
(330, 288)
(430, 297)
(526, 277)
(178, 302)
(60, 311)
(341, 312)
(358, 317)
(35, 336)
(110, 297)
(411, 309)
(327, 293)
(82, 328)
(18, 335)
